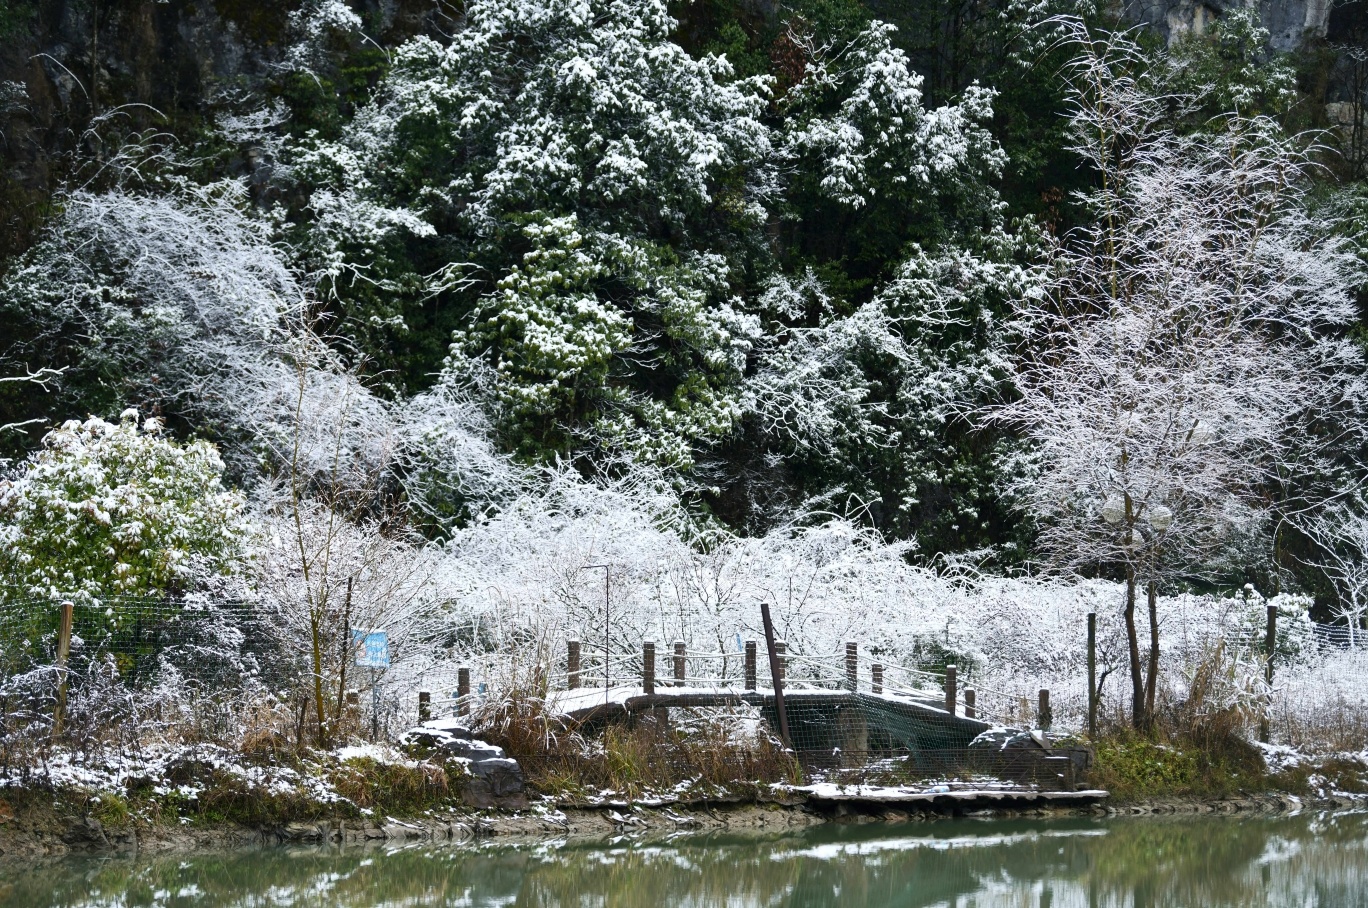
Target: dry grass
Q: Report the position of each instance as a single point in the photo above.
(653, 751)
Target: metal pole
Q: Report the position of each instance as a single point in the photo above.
(950, 689)
(607, 627)
(751, 671)
(375, 704)
(1271, 648)
(776, 674)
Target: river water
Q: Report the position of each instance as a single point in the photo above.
(1308, 860)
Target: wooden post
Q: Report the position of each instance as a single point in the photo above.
(781, 648)
(751, 667)
(1043, 715)
(424, 706)
(462, 691)
(572, 665)
(776, 662)
(648, 667)
(64, 620)
(1092, 674)
(950, 689)
(970, 703)
(680, 663)
(876, 678)
(852, 666)
(1271, 649)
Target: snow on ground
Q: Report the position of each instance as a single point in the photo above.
(153, 767)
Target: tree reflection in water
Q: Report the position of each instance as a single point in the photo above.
(1311, 860)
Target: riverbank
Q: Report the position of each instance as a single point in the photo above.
(53, 823)
(206, 797)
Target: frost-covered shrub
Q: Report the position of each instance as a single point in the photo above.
(112, 509)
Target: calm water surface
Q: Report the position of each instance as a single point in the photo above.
(1308, 860)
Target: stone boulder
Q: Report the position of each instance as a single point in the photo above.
(494, 780)
(1021, 756)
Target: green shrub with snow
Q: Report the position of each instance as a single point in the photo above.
(117, 510)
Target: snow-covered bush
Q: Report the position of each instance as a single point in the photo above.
(117, 510)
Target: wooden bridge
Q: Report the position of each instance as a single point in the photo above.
(836, 712)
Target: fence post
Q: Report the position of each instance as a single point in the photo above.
(1043, 715)
(648, 667)
(462, 691)
(970, 703)
(424, 706)
(1271, 648)
(679, 663)
(65, 618)
(950, 689)
(751, 668)
(776, 661)
(1092, 675)
(852, 666)
(572, 665)
(781, 650)
(876, 678)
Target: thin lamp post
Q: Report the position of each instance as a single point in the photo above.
(606, 626)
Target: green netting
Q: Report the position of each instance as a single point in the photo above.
(139, 640)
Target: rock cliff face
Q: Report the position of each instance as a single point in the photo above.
(1291, 23)
(134, 65)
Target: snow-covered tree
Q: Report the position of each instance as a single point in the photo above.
(868, 405)
(1189, 354)
(183, 301)
(172, 299)
(858, 125)
(114, 510)
(1340, 531)
(587, 192)
(871, 169)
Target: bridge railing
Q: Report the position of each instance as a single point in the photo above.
(676, 668)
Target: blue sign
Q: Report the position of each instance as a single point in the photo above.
(372, 650)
